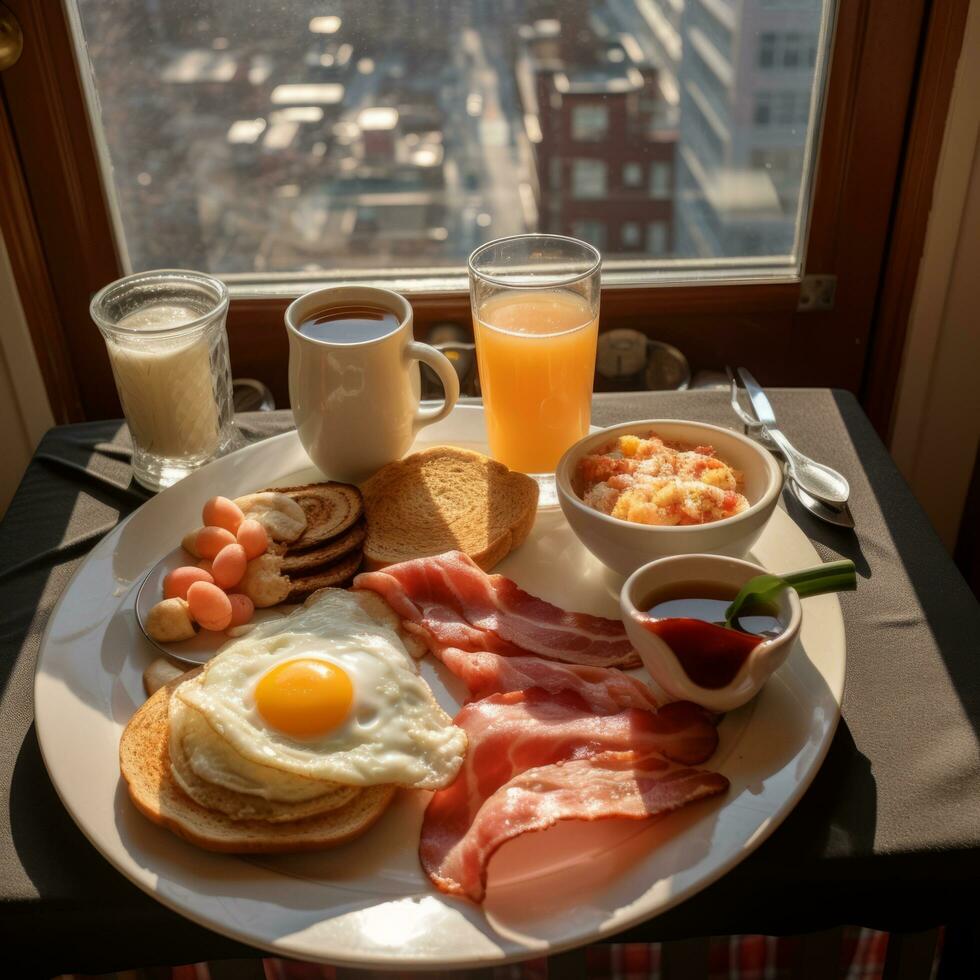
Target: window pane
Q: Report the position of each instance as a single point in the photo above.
(633, 174)
(362, 138)
(589, 122)
(588, 179)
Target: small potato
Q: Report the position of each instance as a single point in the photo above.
(253, 538)
(189, 542)
(263, 582)
(170, 621)
(177, 582)
(242, 609)
(228, 566)
(209, 606)
(211, 539)
(222, 512)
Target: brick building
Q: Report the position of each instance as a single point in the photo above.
(603, 146)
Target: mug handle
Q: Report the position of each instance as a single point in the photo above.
(447, 375)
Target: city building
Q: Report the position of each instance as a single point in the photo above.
(745, 78)
(602, 144)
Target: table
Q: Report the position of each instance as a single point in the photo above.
(888, 835)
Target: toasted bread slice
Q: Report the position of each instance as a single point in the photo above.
(312, 559)
(144, 758)
(445, 499)
(336, 575)
(330, 508)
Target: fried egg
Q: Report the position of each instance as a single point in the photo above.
(326, 693)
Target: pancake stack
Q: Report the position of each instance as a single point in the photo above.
(328, 553)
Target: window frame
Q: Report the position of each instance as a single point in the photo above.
(58, 230)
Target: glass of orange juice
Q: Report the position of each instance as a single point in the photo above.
(535, 302)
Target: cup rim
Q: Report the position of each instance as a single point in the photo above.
(630, 586)
(563, 480)
(395, 303)
(551, 283)
(202, 278)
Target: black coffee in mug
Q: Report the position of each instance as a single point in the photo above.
(349, 323)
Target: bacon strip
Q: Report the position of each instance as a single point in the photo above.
(606, 689)
(452, 602)
(611, 784)
(510, 733)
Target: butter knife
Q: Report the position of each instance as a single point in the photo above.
(821, 482)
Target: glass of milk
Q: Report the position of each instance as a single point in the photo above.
(165, 333)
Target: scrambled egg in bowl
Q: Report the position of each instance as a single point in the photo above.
(647, 480)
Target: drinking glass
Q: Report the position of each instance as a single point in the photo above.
(535, 301)
(165, 334)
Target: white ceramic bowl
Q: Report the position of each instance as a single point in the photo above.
(624, 546)
(670, 681)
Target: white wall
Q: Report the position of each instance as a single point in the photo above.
(937, 416)
(25, 413)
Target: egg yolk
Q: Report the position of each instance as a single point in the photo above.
(303, 698)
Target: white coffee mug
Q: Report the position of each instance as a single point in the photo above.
(356, 405)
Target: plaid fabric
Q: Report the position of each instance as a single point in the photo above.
(729, 958)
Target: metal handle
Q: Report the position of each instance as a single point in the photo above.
(11, 38)
(820, 481)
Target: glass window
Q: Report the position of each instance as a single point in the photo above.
(590, 122)
(633, 174)
(591, 231)
(631, 234)
(588, 179)
(660, 173)
(657, 237)
(767, 50)
(348, 139)
(791, 50)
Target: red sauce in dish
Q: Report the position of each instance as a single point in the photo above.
(710, 655)
(686, 616)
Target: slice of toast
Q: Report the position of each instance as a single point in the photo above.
(445, 499)
(144, 758)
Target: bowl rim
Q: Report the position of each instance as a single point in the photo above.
(572, 454)
(652, 645)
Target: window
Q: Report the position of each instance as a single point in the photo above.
(657, 237)
(591, 231)
(338, 138)
(590, 122)
(782, 109)
(588, 179)
(767, 50)
(631, 234)
(149, 94)
(660, 173)
(790, 50)
(632, 174)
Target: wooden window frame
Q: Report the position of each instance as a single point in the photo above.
(56, 222)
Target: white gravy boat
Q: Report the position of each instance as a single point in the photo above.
(670, 681)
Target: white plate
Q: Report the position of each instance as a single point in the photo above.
(368, 904)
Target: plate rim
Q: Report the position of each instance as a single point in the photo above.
(300, 944)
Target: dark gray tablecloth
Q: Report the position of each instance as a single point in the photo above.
(888, 835)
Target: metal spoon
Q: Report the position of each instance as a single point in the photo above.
(822, 482)
(838, 515)
(841, 516)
